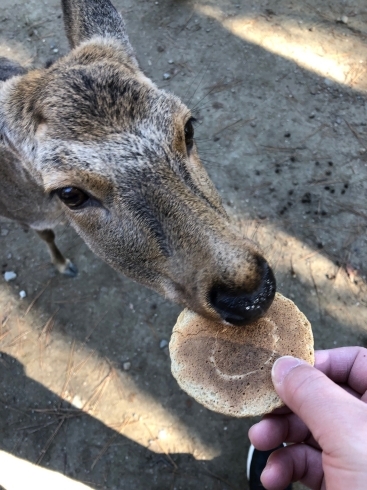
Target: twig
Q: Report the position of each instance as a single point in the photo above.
(14, 409)
(219, 478)
(109, 442)
(159, 444)
(48, 325)
(35, 428)
(356, 134)
(316, 290)
(36, 298)
(308, 256)
(73, 301)
(4, 321)
(3, 335)
(103, 450)
(17, 339)
(37, 24)
(49, 442)
(91, 403)
(68, 370)
(81, 363)
(95, 326)
(314, 132)
(233, 124)
(282, 148)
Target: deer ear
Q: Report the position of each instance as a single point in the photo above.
(8, 70)
(85, 19)
(19, 113)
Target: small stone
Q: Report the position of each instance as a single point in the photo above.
(77, 402)
(162, 434)
(22, 294)
(166, 76)
(170, 62)
(9, 276)
(344, 19)
(55, 50)
(4, 232)
(163, 343)
(126, 366)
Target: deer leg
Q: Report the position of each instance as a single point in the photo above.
(63, 265)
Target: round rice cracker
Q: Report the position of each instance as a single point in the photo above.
(228, 369)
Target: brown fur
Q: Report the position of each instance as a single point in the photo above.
(94, 122)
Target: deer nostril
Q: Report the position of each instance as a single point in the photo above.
(240, 306)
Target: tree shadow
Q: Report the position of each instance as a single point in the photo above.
(37, 425)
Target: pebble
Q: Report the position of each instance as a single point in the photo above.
(22, 294)
(4, 232)
(163, 343)
(55, 50)
(126, 366)
(162, 434)
(166, 76)
(170, 62)
(77, 402)
(9, 276)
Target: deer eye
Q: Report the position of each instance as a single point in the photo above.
(189, 133)
(72, 196)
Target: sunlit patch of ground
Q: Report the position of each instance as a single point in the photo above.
(93, 384)
(304, 41)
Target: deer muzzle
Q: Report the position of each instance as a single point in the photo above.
(241, 305)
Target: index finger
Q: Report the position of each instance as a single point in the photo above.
(344, 365)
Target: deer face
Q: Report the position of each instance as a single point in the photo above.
(120, 156)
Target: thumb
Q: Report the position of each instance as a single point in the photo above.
(329, 412)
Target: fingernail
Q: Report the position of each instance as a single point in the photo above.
(283, 366)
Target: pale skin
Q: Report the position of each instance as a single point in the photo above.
(325, 419)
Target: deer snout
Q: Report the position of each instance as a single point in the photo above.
(241, 306)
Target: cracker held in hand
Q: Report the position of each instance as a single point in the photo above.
(228, 369)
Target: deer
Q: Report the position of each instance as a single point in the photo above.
(92, 140)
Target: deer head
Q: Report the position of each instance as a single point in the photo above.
(120, 155)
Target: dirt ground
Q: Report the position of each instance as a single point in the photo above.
(279, 91)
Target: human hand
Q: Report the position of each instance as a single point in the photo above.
(325, 418)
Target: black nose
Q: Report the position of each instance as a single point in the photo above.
(240, 306)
